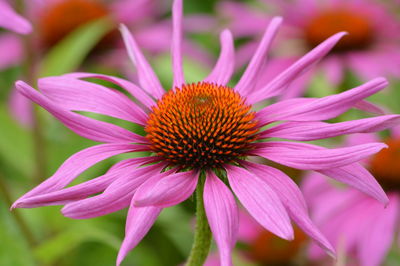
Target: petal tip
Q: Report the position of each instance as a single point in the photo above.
(277, 19)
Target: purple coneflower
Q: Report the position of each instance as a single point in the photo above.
(200, 135)
(354, 222)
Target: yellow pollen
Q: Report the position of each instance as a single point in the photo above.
(201, 125)
(333, 21)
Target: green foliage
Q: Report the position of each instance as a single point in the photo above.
(16, 145)
(69, 54)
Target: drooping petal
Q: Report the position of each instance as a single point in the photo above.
(282, 81)
(75, 165)
(375, 242)
(116, 197)
(78, 95)
(279, 181)
(176, 44)
(85, 189)
(292, 199)
(352, 174)
(86, 127)
(370, 107)
(166, 191)
(9, 19)
(311, 109)
(261, 201)
(138, 223)
(305, 131)
(358, 177)
(147, 78)
(222, 215)
(298, 155)
(223, 70)
(248, 79)
(136, 92)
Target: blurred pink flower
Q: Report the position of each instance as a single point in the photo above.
(10, 20)
(371, 49)
(261, 246)
(202, 127)
(354, 222)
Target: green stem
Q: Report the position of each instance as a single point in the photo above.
(202, 236)
(17, 215)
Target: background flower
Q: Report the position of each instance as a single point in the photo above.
(369, 230)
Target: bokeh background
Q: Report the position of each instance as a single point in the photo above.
(82, 35)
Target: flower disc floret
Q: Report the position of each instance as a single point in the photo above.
(201, 125)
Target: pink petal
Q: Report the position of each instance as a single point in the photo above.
(370, 107)
(176, 46)
(309, 109)
(223, 70)
(147, 78)
(334, 70)
(353, 174)
(85, 189)
(21, 108)
(292, 199)
(222, 215)
(358, 177)
(137, 92)
(320, 130)
(376, 241)
(78, 95)
(75, 165)
(81, 125)
(9, 19)
(261, 201)
(249, 229)
(116, 197)
(13, 44)
(167, 190)
(278, 85)
(248, 79)
(138, 223)
(301, 156)
(279, 182)
(123, 10)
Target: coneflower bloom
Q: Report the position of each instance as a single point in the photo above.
(11, 20)
(370, 49)
(205, 127)
(368, 230)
